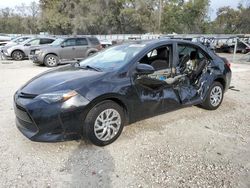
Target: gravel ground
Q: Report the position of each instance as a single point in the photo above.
(190, 147)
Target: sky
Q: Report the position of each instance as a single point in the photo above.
(215, 4)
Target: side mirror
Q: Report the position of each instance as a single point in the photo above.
(62, 45)
(27, 44)
(144, 69)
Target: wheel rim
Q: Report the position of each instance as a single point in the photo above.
(107, 124)
(216, 96)
(18, 55)
(51, 61)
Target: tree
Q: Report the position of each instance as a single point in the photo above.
(185, 16)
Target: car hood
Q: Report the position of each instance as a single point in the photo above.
(65, 78)
(11, 43)
(15, 46)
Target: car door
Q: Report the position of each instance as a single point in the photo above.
(81, 47)
(155, 95)
(191, 90)
(67, 49)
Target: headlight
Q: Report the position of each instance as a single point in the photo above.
(37, 52)
(58, 96)
(9, 50)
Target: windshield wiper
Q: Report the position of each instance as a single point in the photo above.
(90, 67)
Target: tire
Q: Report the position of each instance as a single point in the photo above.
(214, 97)
(244, 51)
(97, 131)
(91, 53)
(17, 55)
(51, 60)
(231, 50)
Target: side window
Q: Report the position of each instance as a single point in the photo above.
(160, 58)
(34, 42)
(185, 50)
(46, 41)
(200, 55)
(153, 53)
(190, 58)
(69, 42)
(81, 42)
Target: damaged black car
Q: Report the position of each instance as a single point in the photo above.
(96, 97)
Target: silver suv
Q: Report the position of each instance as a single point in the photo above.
(65, 50)
(22, 50)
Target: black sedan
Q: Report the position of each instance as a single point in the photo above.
(96, 97)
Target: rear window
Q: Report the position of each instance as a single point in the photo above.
(94, 41)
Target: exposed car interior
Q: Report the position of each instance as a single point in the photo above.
(184, 76)
(191, 63)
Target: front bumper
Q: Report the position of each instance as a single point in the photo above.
(5, 53)
(36, 58)
(43, 122)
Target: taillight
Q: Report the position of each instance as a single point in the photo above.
(228, 64)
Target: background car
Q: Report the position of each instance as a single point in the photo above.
(17, 40)
(120, 85)
(65, 50)
(22, 50)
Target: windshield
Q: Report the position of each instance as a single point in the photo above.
(113, 58)
(57, 42)
(26, 41)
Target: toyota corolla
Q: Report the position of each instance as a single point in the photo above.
(96, 97)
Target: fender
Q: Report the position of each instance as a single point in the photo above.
(119, 99)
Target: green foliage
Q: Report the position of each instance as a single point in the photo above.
(232, 21)
(185, 17)
(123, 16)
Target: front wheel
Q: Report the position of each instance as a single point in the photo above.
(104, 123)
(51, 60)
(17, 55)
(214, 97)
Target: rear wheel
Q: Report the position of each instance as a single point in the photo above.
(17, 55)
(51, 60)
(214, 97)
(104, 123)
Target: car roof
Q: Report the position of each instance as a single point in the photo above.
(73, 37)
(163, 41)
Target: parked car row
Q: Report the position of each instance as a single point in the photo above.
(226, 44)
(219, 44)
(65, 50)
(51, 51)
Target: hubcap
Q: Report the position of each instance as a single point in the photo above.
(216, 96)
(18, 55)
(107, 124)
(51, 61)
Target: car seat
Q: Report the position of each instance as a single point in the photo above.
(162, 60)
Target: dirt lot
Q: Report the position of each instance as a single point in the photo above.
(191, 147)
